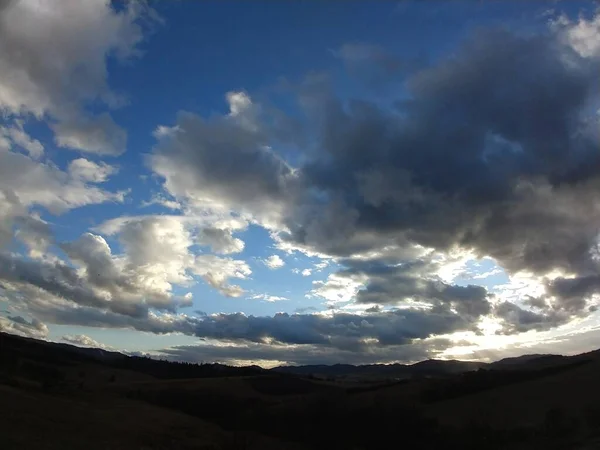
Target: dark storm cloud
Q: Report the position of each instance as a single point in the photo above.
(307, 354)
(62, 281)
(339, 330)
(517, 320)
(571, 293)
(393, 284)
(225, 159)
(344, 331)
(565, 299)
(494, 149)
(471, 158)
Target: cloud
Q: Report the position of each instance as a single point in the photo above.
(571, 293)
(305, 309)
(320, 266)
(274, 262)
(483, 275)
(341, 330)
(336, 288)
(89, 171)
(53, 79)
(81, 340)
(220, 241)
(22, 327)
(161, 246)
(412, 282)
(162, 201)
(156, 257)
(26, 183)
(35, 233)
(99, 135)
(60, 280)
(518, 320)
(492, 152)
(268, 298)
(489, 206)
(34, 183)
(58, 295)
(274, 355)
(162, 131)
(583, 35)
(19, 137)
(198, 155)
(216, 271)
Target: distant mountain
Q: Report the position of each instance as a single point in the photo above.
(431, 367)
(435, 367)
(525, 359)
(13, 348)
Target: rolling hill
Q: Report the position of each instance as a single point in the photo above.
(61, 396)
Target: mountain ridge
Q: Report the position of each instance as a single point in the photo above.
(162, 368)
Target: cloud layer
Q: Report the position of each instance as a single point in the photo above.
(490, 152)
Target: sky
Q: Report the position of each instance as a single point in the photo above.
(301, 182)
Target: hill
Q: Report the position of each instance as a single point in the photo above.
(377, 371)
(63, 396)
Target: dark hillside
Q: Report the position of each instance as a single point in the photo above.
(70, 396)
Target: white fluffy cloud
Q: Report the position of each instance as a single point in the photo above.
(268, 297)
(128, 279)
(156, 257)
(337, 289)
(20, 138)
(583, 34)
(216, 272)
(81, 340)
(274, 262)
(86, 170)
(303, 272)
(26, 183)
(160, 246)
(43, 184)
(22, 327)
(52, 78)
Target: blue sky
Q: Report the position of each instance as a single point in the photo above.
(299, 182)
